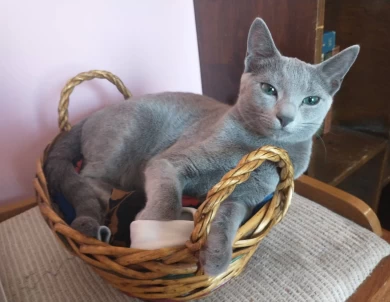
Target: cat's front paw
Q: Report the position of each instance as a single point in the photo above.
(215, 257)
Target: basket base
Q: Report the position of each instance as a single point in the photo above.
(173, 300)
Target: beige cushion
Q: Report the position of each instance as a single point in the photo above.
(312, 255)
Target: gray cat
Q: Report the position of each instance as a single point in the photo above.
(170, 144)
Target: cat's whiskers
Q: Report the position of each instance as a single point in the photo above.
(323, 144)
(253, 121)
(312, 124)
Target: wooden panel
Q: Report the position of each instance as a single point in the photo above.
(222, 29)
(386, 172)
(363, 101)
(386, 235)
(341, 153)
(339, 202)
(12, 209)
(365, 183)
(384, 208)
(319, 30)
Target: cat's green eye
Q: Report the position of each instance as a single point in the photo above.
(268, 89)
(311, 100)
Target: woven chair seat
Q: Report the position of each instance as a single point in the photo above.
(313, 254)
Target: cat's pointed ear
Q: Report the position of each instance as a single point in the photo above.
(260, 44)
(335, 68)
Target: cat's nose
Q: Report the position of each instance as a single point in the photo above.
(284, 120)
(286, 114)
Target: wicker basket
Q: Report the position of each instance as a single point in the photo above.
(171, 273)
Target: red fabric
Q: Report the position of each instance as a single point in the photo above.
(188, 201)
(78, 166)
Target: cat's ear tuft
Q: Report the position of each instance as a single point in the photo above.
(335, 68)
(260, 44)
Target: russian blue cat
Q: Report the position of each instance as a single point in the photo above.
(173, 143)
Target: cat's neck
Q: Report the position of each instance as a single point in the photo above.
(234, 135)
(232, 129)
(238, 115)
(235, 128)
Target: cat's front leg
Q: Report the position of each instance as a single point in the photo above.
(163, 191)
(216, 255)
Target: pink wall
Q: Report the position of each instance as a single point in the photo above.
(150, 45)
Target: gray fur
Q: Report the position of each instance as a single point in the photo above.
(171, 144)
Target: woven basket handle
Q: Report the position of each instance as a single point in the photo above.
(63, 121)
(222, 190)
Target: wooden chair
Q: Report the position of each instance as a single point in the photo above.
(375, 288)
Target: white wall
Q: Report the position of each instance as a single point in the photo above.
(150, 44)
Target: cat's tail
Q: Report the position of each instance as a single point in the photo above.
(63, 178)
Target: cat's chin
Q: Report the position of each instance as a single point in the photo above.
(279, 135)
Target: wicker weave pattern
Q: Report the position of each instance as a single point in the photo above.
(171, 273)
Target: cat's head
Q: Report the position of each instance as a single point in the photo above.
(284, 98)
